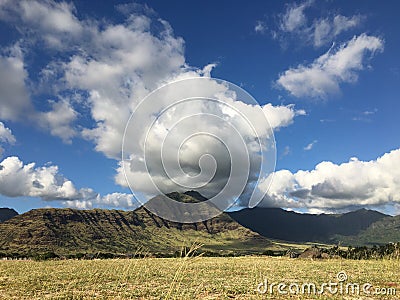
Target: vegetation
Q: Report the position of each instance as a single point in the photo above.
(382, 232)
(327, 228)
(75, 254)
(111, 233)
(190, 277)
(388, 251)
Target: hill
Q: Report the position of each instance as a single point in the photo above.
(382, 232)
(69, 232)
(276, 223)
(6, 214)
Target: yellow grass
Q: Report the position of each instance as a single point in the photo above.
(186, 278)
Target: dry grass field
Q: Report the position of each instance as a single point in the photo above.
(194, 278)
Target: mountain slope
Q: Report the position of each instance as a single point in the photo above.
(381, 232)
(6, 214)
(279, 224)
(69, 231)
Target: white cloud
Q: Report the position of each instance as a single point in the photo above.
(78, 204)
(294, 17)
(310, 145)
(323, 77)
(55, 21)
(260, 27)
(113, 200)
(28, 180)
(18, 179)
(58, 120)
(116, 65)
(342, 23)
(119, 200)
(325, 30)
(295, 24)
(112, 67)
(14, 97)
(6, 137)
(332, 187)
(169, 132)
(281, 116)
(16, 104)
(285, 152)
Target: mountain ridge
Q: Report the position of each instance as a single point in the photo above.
(67, 231)
(277, 223)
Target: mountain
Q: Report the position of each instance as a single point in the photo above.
(6, 214)
(276, 223)
(384, 231)
(102, 233)
(67, 232)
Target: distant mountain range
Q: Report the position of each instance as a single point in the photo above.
(381, 232)
(66, 232)
(280, 224)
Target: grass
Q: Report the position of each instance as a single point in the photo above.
(190, 277)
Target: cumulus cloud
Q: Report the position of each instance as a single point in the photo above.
(323, 77)
(18, 179)
(55, 21)
(105, 69)
(282, 115)
(28, 180)
(58, 120)
(294, 24)
(114, 67)
(188, 131)
(333, 187)
(113, 200)
(16, 104)
(6, 137)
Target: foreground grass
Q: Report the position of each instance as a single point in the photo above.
(185, 278)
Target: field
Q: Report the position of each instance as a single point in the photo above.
(194, 278)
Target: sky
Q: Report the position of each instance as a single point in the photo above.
(325, 73)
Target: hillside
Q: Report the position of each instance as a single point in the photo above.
(276, 223)
(382, 232)
(70, 231)
(6, 214)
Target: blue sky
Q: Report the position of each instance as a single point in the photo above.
(333, 64)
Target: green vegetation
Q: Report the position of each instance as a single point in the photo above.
(46, 233)
(379, 233)
(290, 226)
(184, 278)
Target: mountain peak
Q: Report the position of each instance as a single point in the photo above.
(196, 195)
(187, 197)
(7, 213)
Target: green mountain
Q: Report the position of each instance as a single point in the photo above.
(103, 233)
(67, 232)
(382, 232)
(276, 223)
(6, 214)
